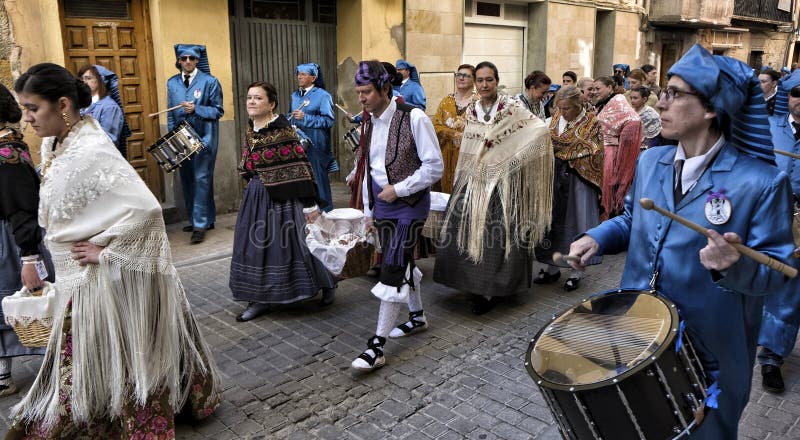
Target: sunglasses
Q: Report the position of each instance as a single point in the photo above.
(795, 92)
(189, 57)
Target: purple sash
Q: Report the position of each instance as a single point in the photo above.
(405, 215)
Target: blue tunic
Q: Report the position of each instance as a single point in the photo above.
(197, 175)
(723, 316)
(316, 125)
(412, 93)
(782, 310)
(109, 115)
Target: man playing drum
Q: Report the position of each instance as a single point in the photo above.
(714, 108)
(200, 96)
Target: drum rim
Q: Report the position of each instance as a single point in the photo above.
(672, 334)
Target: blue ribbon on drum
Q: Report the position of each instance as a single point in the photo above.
(712, 393)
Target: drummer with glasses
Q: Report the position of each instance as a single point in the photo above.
(723, 178)
(199, 97)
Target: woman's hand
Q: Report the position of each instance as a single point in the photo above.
(86, 253)
(30, 277)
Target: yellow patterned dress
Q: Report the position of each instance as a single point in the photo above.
(449, 122)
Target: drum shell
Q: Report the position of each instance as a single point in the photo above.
(172, 149)
(654, 400)
(353, 137)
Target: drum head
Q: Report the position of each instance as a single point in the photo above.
(602, 340)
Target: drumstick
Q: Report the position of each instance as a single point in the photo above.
(786, 153)
(342, 109)
(152, 115)
(752, 253)
(558, 257)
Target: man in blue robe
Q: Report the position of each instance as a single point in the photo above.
(410, 89)
(622, 71)
(782, 309)
(312, 113)
(200, 98)
(714, 107)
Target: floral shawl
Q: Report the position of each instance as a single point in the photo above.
(651, 125)
(275, 154)
(13, 150)
(510, 158)
(622, 137)
(449, 121)
(581, 145)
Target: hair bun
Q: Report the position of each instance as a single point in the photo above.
(84, 93)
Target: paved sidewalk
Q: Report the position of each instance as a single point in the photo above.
(286, 375)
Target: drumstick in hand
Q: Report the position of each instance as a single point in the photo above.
(786, 153)
(560, 258)
(744, 250)
(153, 115)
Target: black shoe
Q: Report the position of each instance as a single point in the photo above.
(374, 271)
(571, 284)
(190, 228)
(327, 296)
(481, 305)
(253, 310)
(546, 278)
(198, 236)
(771, 379)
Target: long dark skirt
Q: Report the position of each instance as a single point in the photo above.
(271, 262)
(10, 282)
(495, 275)
(576, 209)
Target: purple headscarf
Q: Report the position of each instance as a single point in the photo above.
(379, 78)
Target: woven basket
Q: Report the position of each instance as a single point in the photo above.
(35, 335)
(359, 260)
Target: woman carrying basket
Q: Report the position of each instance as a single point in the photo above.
(20, 236)
(125, 353)
(271, 263)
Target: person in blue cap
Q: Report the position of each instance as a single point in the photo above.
(312, 112)
(200, 98)
(720, 175)
(410, 89)
(106, 107)
(622, 71)
(782, 309)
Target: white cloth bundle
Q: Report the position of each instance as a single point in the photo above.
(333, 234)
(22, 308)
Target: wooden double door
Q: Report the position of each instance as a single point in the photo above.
(116, 35)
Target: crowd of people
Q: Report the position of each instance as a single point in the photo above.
(555, 169)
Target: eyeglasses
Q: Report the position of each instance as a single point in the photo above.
(795, 92)
(460, 75)
(189, 57)
(88, 78)
(670, 93)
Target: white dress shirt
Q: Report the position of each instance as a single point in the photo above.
(427, 149)
(693, 167)
(191, 75)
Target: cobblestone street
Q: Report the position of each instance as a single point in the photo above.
(286, 375)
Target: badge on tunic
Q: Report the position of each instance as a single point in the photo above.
(197, 93)
(718, 207)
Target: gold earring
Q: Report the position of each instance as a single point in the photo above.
(66, 119)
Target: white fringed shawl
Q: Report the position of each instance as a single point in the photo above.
(513, 157)
(133, 332)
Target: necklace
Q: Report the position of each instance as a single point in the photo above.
(487, 112)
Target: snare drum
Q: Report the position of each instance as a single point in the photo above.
(618, 366)
(353, 137)
(181, 143)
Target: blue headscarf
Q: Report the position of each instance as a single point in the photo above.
(403, 64)
(112, 87)
(314, 70)
(194, 50)
(736, 96)
(625, 68)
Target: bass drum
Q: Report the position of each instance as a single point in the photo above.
(618, 366)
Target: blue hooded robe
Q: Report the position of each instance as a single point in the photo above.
(197, 174)
(411, 90)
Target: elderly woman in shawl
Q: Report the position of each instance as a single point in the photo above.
(501, 202)
(622, 138)
(125, 353)
(578, 178)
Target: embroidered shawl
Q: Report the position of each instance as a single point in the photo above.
(622, 137)
(275, 154)
(511, 158)
(581, 145)
(13, 149)
(133, 331)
